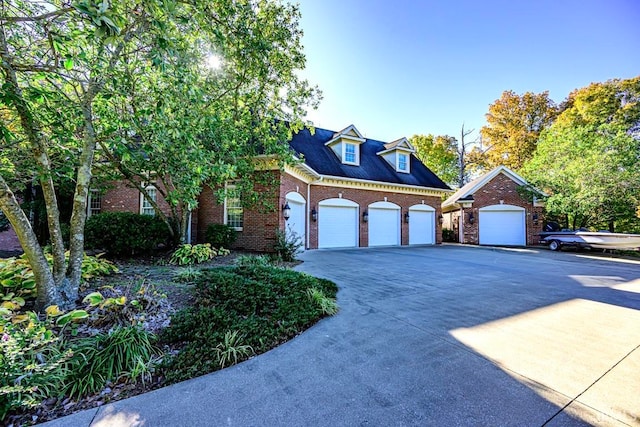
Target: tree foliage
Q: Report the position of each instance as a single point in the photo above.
(589, 159)
(126, 81)
(440, 154)
(514, 124)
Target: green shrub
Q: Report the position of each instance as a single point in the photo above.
(193, 254)
(287, 245)
(187, 274)
(239, 311)
(253, 261)
(33, 363)
(125, 233)
(18, 284)
(125, 354)
(448, 235)
(221, 235)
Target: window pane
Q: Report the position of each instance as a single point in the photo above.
(402, 162)
(234, 213)
(147, 208)
(350, 153)
(95, 202)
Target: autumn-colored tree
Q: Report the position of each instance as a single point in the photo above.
(588, 159)
(440, 154)
(514, 124)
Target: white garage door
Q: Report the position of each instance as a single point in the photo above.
(296, 222)
(384, 224)
(502, 225)
(422, 225)
(337, 224)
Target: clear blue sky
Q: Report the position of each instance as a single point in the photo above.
(396, 68)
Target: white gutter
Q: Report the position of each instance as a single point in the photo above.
(391, 184)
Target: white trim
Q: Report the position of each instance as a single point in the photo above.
(348, 129)
(344, 182)
(408, 162)
(90, 197)
(356, 153)
(224, 212)
(143, 200)
(338, 202)
(423, 208)
(295, 197)
(481, 182)
(383, 205)
(389, 150)
(502, 208)
(349, 138)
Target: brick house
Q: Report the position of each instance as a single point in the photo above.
(347, 191)
(491, 211)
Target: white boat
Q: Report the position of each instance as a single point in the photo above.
(590, 239)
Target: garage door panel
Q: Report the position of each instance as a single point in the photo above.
(421, 227)
(337, 227)
(384, 227)
(502, 228)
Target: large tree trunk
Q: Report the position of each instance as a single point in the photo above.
(38, 142)
(79, 214)
(45, 284)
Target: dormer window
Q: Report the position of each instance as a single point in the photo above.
(346, 145)
(403, 162)
(350, 153)
(398, 154)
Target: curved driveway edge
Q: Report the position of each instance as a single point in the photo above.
(443, 335)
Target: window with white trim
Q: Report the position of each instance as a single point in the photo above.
(403, 162)
(234, 212)
(146, 208)
(94, 204)
(350, 153)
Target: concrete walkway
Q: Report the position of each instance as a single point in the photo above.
(438, 336)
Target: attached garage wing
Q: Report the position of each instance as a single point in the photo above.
(502, 225)
(384, 224)
(337, 224)
(422, 225)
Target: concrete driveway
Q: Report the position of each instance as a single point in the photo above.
(442, 336)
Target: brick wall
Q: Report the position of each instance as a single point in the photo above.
(259, 223)
(122, 197)
(501, 190)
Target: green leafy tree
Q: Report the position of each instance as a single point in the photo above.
(440, 154)
(514, 124)
(125, 81)
(588, 159)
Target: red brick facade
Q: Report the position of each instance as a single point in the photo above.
(260, 223)
(122, 197)
(366, 197)
(499, 190)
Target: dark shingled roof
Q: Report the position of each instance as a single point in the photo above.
(372, 167)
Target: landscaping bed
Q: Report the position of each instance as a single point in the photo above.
(174, 323)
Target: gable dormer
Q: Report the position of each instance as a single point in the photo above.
(398, 154)
(346, 145)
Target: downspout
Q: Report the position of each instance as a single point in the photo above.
(461, 225)
(189, 227)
